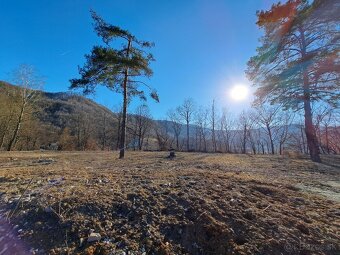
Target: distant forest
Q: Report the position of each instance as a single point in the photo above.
(32, 120)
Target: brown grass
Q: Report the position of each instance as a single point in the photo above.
(195, 204)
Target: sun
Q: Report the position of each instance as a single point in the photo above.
(239, 92)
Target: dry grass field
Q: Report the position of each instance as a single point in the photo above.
(93, 203)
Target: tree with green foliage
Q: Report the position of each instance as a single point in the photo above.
(297, 64)
(117, 68)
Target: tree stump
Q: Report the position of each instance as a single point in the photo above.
(172, 154)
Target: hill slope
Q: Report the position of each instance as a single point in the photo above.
(61, 116)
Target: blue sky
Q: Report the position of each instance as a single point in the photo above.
(201, 46)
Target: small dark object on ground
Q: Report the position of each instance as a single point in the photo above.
(172, 154)
(44, 161)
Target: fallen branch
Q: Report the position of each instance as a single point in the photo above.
(266, 207)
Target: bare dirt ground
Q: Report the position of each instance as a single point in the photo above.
(57, 202)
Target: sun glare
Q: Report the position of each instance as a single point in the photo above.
(239, 92)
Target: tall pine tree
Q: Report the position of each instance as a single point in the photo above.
(117, 68)
(297, 64)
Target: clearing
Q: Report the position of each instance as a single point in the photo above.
(147, 204)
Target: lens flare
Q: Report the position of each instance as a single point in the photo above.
(239, 92)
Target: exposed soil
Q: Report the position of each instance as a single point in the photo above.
(197, 203)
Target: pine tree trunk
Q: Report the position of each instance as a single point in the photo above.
(312, 141)
(313, 146)
(118, 131)
(124, 117)
(125, 100)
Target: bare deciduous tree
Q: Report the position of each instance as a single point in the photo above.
(176, 125)
(162, 135)
(28, 81)
(213, 124)
(201, 121)
(267, 117)
(283, 132)
(245, 125)
(186, 111)
(227, 130)
(141, 123)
